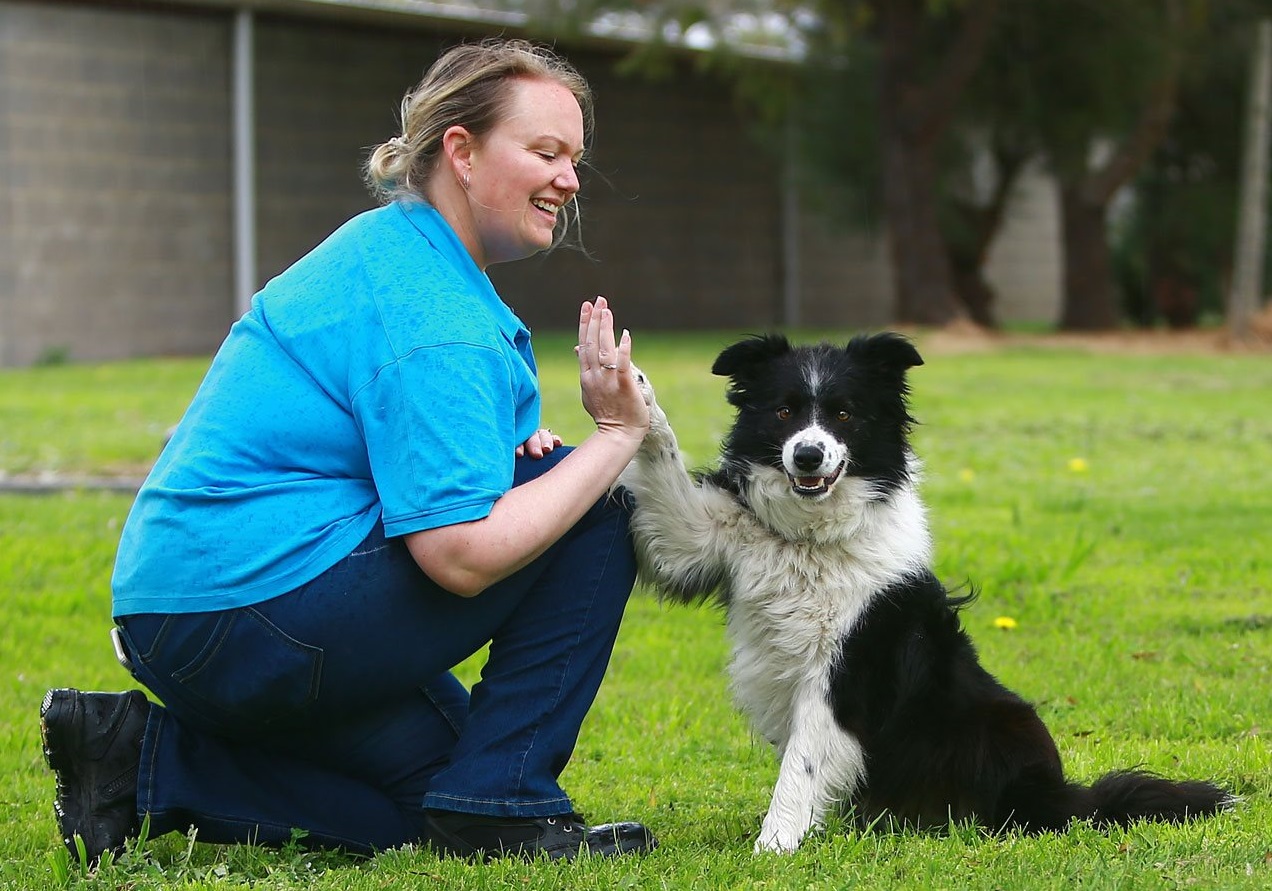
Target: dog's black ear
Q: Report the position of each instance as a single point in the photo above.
(753, 351)
(888, 351)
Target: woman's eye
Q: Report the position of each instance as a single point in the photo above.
(783, 413)
(548, 156)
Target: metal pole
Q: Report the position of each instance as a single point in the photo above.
(244, 163)
(792, 302)
(1247, 278)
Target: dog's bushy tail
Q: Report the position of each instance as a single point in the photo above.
(1117, 799)
(1124, 796)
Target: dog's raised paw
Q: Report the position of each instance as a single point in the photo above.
(643, 384)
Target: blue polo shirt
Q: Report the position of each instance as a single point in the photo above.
(379, 376)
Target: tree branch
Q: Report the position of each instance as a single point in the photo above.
(1151, 127)
(957, 67)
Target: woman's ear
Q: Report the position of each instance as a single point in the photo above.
(458, 145)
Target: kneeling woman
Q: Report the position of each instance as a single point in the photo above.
(359, 498)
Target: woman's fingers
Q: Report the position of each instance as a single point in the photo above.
(610, 395)
(597, 348)
(623, 353)
(606, 353)
(538, 445)
(585, 318)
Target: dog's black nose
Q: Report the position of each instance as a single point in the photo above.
(808, 456)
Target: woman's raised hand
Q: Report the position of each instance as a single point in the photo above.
(610, 394)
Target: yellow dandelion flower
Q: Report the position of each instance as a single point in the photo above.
(1078, 465)
(1006, 623)
(967, 474)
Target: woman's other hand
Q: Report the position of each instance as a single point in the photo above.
(540, 444)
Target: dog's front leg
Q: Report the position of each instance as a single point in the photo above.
(679, 529)
(821, 764)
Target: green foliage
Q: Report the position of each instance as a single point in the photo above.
(1174, 245)
(838, 156)
(1114, 506)
(1082, 70)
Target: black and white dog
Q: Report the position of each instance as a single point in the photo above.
(848, 655)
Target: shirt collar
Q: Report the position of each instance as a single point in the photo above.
(426, 220)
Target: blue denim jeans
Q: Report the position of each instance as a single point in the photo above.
(332, 708)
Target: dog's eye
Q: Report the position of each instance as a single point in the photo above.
(843, 416)
(783, 413)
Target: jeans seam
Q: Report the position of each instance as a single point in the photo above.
(160, 637)
(153, 752)
(220, 634)
(370, 551)
(441, 710)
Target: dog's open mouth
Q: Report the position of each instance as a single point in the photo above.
(815, 485)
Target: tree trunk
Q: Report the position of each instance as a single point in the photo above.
(916, 104)
(921, 269)
(976, 295)
(1090, 298)
(1090, 295)
(975, 225)
(1247, 281)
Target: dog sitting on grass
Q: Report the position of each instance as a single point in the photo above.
(847, 652)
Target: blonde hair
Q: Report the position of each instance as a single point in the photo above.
(467, 87)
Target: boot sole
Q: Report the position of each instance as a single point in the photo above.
(56, 712)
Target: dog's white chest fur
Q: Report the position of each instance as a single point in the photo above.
(793, 601)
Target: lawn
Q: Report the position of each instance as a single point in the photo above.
(1116, 508)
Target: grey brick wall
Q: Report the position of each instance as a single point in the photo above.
(325, 94)
(115, 171)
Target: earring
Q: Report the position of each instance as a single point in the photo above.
(467, 180)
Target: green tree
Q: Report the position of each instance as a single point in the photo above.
(837, 114)
(1174, 246)
(1104, 76)
(928, 53)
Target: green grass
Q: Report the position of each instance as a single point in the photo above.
(1140, 579)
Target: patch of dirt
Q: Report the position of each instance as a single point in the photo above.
(967, 337)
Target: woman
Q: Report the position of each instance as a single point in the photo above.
(360, 497)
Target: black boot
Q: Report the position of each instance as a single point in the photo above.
(561, 837)
(92, 742)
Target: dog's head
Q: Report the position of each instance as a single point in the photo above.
(820, 414)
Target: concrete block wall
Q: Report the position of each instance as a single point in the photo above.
(845, 277)
(115, 169)
(325, 94)
(1024, 264)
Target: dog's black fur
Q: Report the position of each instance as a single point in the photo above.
(945, 740)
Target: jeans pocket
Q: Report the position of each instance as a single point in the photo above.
(251, 673)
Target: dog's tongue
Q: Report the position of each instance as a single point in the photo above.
(808, 482)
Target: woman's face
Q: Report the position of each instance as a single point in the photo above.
(523, 172)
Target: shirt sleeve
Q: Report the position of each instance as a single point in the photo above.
(439, 425)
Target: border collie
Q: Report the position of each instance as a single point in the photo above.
(847, 652)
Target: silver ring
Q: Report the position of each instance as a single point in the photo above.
(610, 367)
